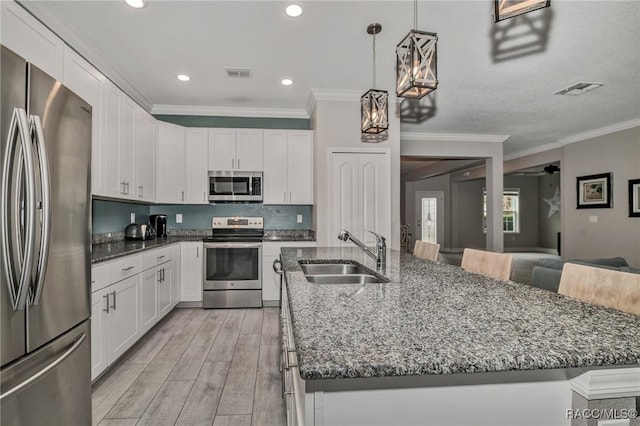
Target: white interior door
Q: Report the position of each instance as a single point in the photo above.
(429, 217)
(360, 194)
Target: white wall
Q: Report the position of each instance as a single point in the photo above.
(336, 123)
(615, 233)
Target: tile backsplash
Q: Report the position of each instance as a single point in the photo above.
(113, 216)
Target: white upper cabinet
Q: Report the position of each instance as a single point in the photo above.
(88, 83)
(171, 163)
(197, 166)
(30, 39)
(111, 140)
(288, 167)
(146, 143)
(236, 150)
(127, 147)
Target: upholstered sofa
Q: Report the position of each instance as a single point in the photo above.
(547, 273)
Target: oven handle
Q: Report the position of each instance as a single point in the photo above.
(232, 245)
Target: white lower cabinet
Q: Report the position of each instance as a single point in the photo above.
(148, 299)
(129, 296)
(175, 279)
(270, 279)
(191, 271)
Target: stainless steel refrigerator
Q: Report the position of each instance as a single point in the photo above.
(45, 230)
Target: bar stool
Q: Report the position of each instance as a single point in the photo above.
(488, 263)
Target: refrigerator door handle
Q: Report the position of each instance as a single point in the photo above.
(19, 126)
(45, 178)
(45, 370)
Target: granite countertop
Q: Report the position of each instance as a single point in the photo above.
(289, 235)
(435, 319)
(115, 245)
(109, 251)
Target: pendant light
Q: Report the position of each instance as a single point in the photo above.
(374, 103)
(505, 9)
(416, 73)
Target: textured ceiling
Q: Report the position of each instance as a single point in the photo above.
(327, 48)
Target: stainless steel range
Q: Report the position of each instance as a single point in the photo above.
(233, 263)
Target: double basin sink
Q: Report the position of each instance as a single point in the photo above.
(339, 272)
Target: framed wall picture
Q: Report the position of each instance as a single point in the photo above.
(594, 191)
(634, 198)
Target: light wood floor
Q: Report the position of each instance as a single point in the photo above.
(197, 367)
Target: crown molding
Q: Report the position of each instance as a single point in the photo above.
(76, 42)
(230, 111)
(600, 132)
(531, 151)
(452, 137)
(604, 384)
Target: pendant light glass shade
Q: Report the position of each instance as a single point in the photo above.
(374, 116)
(416, 72)
(505, 9)
(374, 111)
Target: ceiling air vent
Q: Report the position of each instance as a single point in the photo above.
(238, 72)
(578, 89)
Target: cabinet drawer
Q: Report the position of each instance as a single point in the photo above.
(98, 277)
(121, 269)
(155, 257)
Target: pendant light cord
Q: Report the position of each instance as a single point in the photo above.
(415, 14)
(374, 60)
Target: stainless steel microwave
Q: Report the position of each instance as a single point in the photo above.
(235, 186)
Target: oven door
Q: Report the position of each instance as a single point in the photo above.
(232, 266)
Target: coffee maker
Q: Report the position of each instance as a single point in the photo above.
(159, 224)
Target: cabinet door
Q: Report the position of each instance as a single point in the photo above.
(23, 34)
(88, 83)
(191, 272)
(149, 299)
(175, 279)
(98, 336)
(197, 167)
(275, 186)
(164, 289)
(171, 163)
(123, 326)
(249, 150)
(270, 281)
(146, 141)
(127, 147)
(111, 139)
(222, 149)
(300, 167)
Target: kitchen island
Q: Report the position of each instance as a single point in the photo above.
(439, 345)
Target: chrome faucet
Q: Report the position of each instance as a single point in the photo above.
(380, 255)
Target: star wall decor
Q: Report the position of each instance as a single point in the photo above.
(554, 203)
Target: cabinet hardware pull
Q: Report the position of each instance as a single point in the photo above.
(141, 190)
(162, 274)
(160, 257)
(127, 269)
(232, 163)
(93, 281)
(204, 196)
(289, 196)
(285, 196)
(114, 300)
(106, 296)
(159, 276)
(197, 251)
(238, 163)
(127, 185)
(183, 196)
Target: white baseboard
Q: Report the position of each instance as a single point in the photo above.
(270, 303)
(189, 305)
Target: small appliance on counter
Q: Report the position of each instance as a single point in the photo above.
(138, 231)
(159, 223)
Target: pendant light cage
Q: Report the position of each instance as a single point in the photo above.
(374, 107)
(374, 104)
(416, 72)
(505, 9)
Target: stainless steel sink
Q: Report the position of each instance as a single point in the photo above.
(332, 269)
(345, 279)
(338, 272)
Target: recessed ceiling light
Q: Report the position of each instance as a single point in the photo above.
(286, 82)
(293, 10)
(138, 4)
(183, 77)
(578, 89)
